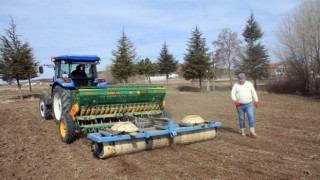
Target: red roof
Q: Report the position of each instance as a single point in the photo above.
(274, 65)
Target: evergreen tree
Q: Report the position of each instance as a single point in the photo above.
(124, 59)
(167, 63)
(31, 65)
(146, 67)
(253, 31)
(197, 59)
(256, 59)
(16, 58)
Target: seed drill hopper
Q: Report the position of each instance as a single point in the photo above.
(117, 119)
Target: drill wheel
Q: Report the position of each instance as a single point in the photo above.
(67, 129)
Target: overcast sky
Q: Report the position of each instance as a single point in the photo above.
(93, 27)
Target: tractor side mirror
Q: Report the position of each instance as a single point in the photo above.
(41, 69)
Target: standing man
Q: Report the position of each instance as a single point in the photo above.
(243, 94)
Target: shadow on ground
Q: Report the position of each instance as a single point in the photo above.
(189, 89)
(24, 96)
(228, 129)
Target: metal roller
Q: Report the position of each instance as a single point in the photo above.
(109, 149)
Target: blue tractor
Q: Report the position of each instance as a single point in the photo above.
(71, 72)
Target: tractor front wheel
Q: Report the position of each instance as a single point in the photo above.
(60, 102)
(67, 129)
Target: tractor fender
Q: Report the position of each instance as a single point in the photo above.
(63, 85)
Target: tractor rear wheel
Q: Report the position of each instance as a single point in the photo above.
(60, 102)
(45, 106)
(67, 129)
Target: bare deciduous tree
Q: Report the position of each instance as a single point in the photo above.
(299, 45)
(228, 48)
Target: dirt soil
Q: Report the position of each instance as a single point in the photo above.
(287, 147)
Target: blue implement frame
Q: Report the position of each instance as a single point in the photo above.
(170, 128)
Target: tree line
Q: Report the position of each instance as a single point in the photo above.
(18, 63)
(298, 48)
(199, 63)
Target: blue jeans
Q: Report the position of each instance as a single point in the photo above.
(246, 108)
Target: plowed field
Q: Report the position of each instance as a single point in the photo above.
(287, 147)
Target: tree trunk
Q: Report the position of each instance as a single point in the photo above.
(208, 85)
(149, 80)
(167, 77)
(230, 78)
(200, 83)
(255, 83)
(213, 85)
(307, 84)
(19, 86)
(30, 88)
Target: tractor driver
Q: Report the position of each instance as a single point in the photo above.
(79, 72)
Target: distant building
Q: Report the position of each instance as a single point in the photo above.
(160, 77)
(277, 70)
(173, 76)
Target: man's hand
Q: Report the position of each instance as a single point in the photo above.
(256, 104)
(236, 103)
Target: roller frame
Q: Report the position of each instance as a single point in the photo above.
(171, 128)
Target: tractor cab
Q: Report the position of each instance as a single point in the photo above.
(72, 72)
